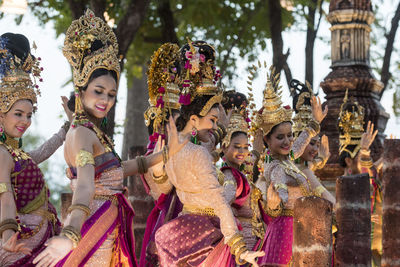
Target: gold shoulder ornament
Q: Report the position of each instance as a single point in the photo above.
(84, 158)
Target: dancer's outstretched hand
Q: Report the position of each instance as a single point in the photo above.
(251, 257)
(68, 112)
(368, 136)
(223, 116)
(12, 246)
(324, 148)
(57, 248)
(174, 145)
(318, 113)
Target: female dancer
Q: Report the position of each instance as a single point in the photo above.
(162, 80)
(354, 157)
(285, 178)
(27, 217)
(316, 153)
(206, 221)
(239, 191)
(98, 230)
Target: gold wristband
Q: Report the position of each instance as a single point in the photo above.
(72, 234)
(8, 224)
(313, 124)
(5, 187)
(237, 256)
(81, 207)
(84, 158)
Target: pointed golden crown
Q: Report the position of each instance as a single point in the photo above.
(237, 123)
(272, 113)
(79, 38)
(162, 81)
(304, 112)
(18, 78)
(351, 121)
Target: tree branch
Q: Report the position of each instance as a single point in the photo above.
(77, 8)
(385, 73)
(168, 33)
(130, 23)
(310, 40)
(279, 60)
(98, 7)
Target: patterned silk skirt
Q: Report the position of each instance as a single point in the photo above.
(190, 240)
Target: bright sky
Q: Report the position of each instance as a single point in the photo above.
(56, 73)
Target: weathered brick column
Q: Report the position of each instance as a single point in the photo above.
(391, 204)
(353, 216)
(312, 232)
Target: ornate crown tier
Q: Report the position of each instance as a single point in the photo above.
(18, 76)
(237, 123)
(197, 60)
(78, 46)
(351, 121)
(162, 80)
(303, 106)
(272, 112)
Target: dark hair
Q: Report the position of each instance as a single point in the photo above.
(150, 127)
(95, 74)
(297, 89)
(194, 108)
(17, 45)
(345, 154)
(233, 99)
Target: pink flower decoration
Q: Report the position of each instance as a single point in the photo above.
(160, 102)
(188, 65)
(188, 54)
(248, 120)
(161, 90)
(184, 99)
(286, 107)
(202, 58)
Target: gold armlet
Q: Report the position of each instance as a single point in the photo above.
(319, 190)
(81, 207)
(229, 182)
(8, 224)
(313, 124)
(84, 158)
(237, 247)
(5, 187)
(280, 186)
(72, 234)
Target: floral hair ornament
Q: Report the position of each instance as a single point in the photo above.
(201, 77)
(81, 35)
(351, 121)
(272, 113)
(19, 76)
(303, 106)
(162, 81)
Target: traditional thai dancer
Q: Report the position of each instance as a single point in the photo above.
(198, 236)
(99, 228)
(163, 81)
(316, 153)
(239, 188)
(285, 178)
(27, 217)
(354, 157)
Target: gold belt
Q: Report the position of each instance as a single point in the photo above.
(46, 216)
(112, 198)
(198, 210)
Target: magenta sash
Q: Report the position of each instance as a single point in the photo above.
(242, 186)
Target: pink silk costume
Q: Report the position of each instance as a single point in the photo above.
(196, 237)
(38, 217)
(278, 239)
(107, 234)
(167, 207)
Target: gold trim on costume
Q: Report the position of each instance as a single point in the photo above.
(84, 158)
(280, 186)
(211, 102)
(198, 210)
(237, 123)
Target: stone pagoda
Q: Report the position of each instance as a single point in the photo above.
(350, 34)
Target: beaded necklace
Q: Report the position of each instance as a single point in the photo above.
(105, 140)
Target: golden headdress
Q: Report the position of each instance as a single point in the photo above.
(272, 112)
(201, 77)
(303, 106)
(237, 123)
(18, 73)
(351, 121)
(90, 44)
(162, 81)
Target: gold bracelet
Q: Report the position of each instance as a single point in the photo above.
(72, 234)
(365, 152)
(237, 247)
(165, 154)
(8, 224)
(84, 158)
(237, 256)
(366, 163)
(81, 207)
(313, 124)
